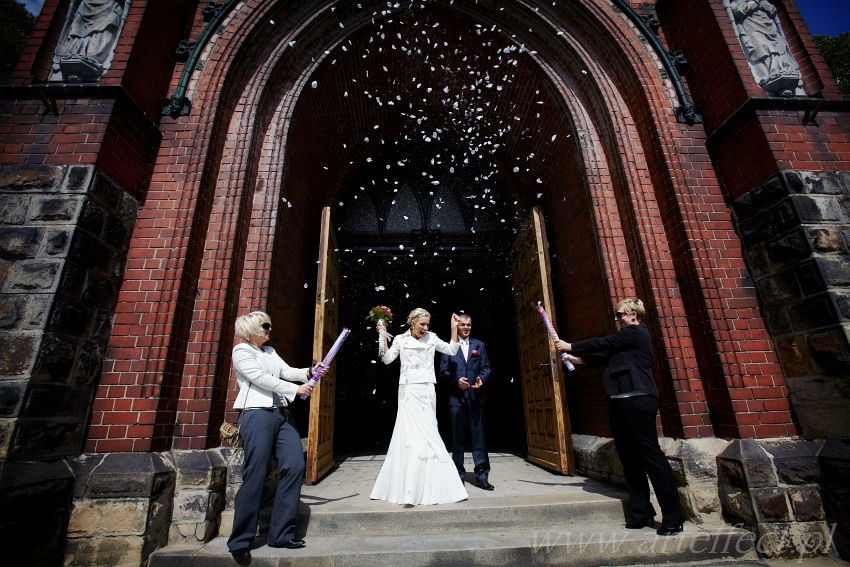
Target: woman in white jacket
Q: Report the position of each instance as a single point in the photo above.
(266, 430)
(418, 469)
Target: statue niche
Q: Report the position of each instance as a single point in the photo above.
(88, 41)
(758, 28)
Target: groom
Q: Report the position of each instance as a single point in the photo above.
(466, 373)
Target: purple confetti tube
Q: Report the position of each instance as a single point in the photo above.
(569, 365)
(327, 360)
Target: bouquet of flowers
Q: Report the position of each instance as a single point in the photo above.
(383, 314)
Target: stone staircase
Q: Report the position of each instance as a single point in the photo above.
(580, 525)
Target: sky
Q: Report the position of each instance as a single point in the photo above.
(827, 17)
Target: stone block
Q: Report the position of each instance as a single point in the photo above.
(806, 503)
(98, 292)
(809, 278)
(821, 405)
(11, 394)
(821, 182)
(39, 438)
(7, 431)
(19, 243)
(737, 506)
(108, 517)
(37, 309)
(78, 178)
(834, 459)
(796, 540)
(780, 287)
(34, 498)
(831, 351)
(31, 178)
(123, 475)
(106, 192)
(771, 504)
(55, 359)
(90, 253)
(34, 275)
(89, 360)
(779, 219)
(16, 351)
(53, 209)
(71, 318)
(92, 218)
(817, 209)
(813, 312)
(826, 240)
(112, 551)
(835, 270)
(13, 209)
(56, 241)
(56, 400)
(11, 310)
(204, 469)
(745, 464)
(770, 192)
(842, 302)
(795, 460)
(788, 249)
(794, 353)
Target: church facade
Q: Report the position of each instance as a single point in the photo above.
(168, 166)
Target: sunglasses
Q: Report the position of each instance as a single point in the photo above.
(266, 326)
(620, 314)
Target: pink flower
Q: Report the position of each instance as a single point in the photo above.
(474, 352)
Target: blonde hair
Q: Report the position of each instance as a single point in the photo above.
(632, 306)
(416, 314)
(251, 324)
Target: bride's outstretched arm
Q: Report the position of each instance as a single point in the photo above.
(455, 321)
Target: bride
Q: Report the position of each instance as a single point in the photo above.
(418, 469)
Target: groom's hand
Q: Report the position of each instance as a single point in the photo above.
(463, 383)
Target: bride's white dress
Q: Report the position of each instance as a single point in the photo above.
(418, 468)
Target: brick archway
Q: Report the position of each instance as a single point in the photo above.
(272, 122)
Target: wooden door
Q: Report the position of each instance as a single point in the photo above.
(320, 435)
(547, 422)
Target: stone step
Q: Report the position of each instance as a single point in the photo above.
(557, 545)
(503, 513)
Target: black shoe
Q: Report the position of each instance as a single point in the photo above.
(637, 525)
(291, 544)
(242, 556)
(483, 484)
(662, 531)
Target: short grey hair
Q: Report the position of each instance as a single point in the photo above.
(251, 324)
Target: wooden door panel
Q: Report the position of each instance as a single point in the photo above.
(546, 417)
(320, 435)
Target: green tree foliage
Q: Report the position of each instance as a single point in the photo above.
(15, 28)
(836, 53)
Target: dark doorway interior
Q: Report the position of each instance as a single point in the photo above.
(367, 389)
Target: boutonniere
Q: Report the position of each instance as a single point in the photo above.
(474, 352)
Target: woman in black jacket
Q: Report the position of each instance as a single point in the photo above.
(633, 407)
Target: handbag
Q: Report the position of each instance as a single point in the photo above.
(229, 434)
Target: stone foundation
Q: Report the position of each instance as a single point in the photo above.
(791, 493)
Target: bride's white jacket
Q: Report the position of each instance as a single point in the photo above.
(259, 373)
(417, 356)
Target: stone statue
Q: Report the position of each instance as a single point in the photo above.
(89, 40)
(771, 62)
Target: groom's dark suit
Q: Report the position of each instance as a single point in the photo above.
(467, 406)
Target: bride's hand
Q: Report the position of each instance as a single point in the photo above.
(379, 325)
(455, 320)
